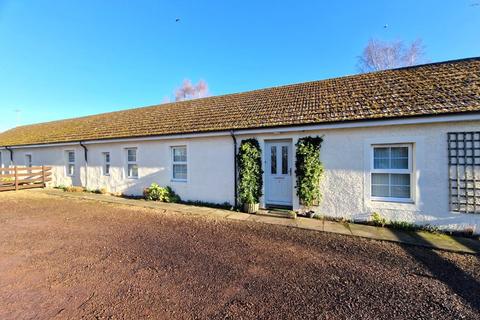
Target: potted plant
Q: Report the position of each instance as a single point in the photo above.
(250, 175)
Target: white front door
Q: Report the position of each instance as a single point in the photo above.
(278, 173)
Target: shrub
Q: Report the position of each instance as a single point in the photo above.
(250, 171)
(430, 228)
(309, 170)
(292, 214)
(73, 189)
(378, 220)
(403, 225)
(157, 193)
(318, 216)
(225, 205)
(101, 191)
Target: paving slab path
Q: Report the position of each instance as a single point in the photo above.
(418, 238)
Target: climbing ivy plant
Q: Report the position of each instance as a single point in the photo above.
(250, 171)
(309, 170)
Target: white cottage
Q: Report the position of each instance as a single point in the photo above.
(404, 143)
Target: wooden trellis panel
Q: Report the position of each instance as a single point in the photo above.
(464, 171)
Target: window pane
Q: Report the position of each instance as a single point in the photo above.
(399, 158)
(399, 152)
(390, 158)
(133, 170)
(380, 178)
(381, 153)
(273, 160)
(400, 192)
(284, 160)
(180, 154)
(107, 169)
(132, 155)
(28, 161)
(180, 171)
(71, 156)
(107, 157)
(400, 163)
(380, 191)
(400, 179)
(381, 163)
(380, 185)
(71, 169)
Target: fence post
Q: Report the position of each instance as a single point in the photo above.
(43, 176)
(16, 177)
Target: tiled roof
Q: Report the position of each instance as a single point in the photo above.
(431, 89)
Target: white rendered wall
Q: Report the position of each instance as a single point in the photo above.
(210, 167)
(346, 156)
(345, 153)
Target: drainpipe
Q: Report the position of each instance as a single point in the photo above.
(85, 152)
(232, 133)
(11, 154)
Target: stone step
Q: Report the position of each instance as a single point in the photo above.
(278, 213)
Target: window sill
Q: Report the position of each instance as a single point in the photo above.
(392, 200)
(179, 180)
(132, 178)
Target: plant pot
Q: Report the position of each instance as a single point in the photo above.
(251, 207)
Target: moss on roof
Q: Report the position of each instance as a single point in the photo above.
(431, 89)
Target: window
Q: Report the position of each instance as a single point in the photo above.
(70, 163)
(132, 167)
(284, 160)
(391, 173)
(106, 163)
(273, 160)
(28, 160)
(179, 163)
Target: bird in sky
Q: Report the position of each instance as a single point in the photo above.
(177, 20)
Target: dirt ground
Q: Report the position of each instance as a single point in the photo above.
(63, 258)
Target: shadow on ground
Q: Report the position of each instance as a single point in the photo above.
(459, 281)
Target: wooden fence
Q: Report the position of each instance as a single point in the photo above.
(17, 178)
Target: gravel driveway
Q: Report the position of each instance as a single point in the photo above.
(68, 258)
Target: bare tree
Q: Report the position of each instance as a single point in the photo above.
(191, 91)
(380, 55)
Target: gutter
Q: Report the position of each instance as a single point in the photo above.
(85, 152)
(232, 134)
(11, 154)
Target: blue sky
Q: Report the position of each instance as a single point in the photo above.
(62, 59)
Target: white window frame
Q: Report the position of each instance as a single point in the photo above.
(172, 151)
(127, 173)
(409, 171)
(107, 164)
(70, 163)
